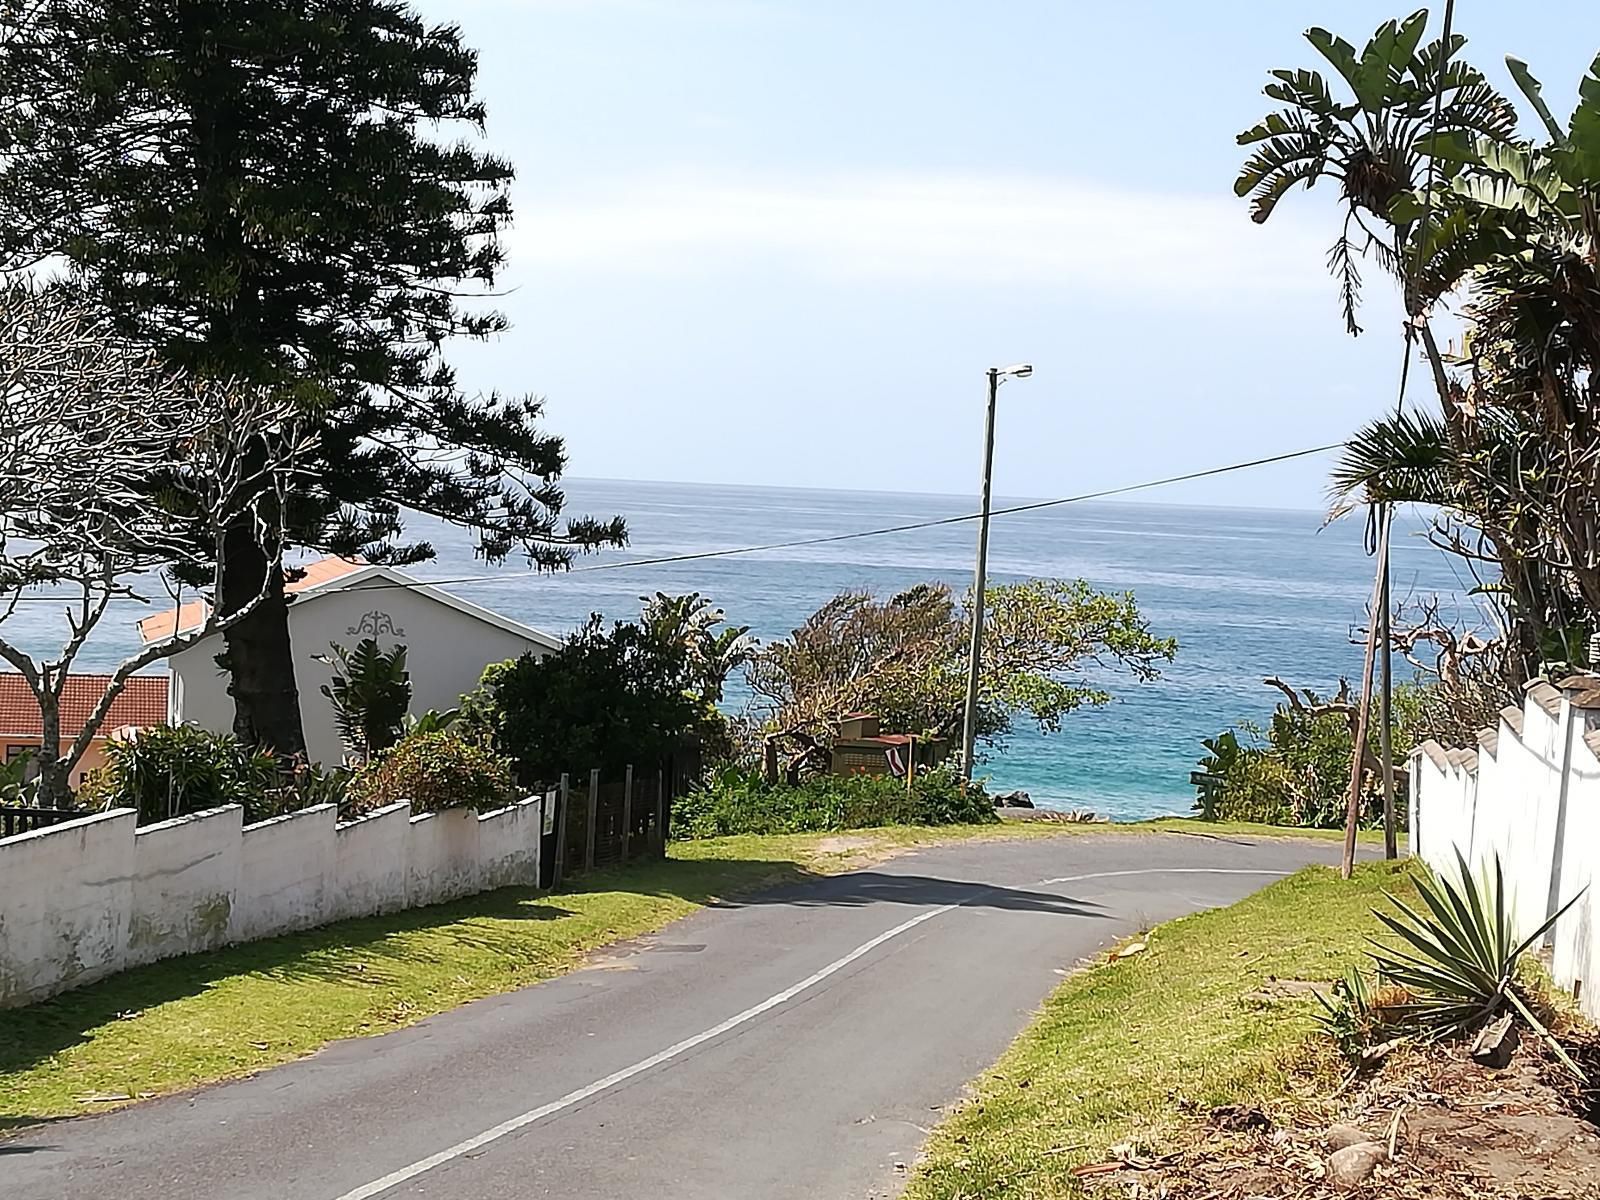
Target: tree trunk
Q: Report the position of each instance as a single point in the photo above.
(54, 789)
(259, 657)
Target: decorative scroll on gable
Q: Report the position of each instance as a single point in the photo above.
(376, 623)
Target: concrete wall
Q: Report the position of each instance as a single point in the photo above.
(446, 652)
(89, 897)
(66, 896)
(1529, 795)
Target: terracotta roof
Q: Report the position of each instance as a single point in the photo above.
(159, 626)
(142, 702)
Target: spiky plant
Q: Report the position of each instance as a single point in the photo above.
(1459, 960)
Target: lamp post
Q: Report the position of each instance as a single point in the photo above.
(969, 731)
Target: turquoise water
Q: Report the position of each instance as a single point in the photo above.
(1246, 592)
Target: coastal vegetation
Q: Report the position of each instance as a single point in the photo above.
(735, 800)
(1492, 231)
(1049, 646)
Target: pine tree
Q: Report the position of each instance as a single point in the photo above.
(283, 191)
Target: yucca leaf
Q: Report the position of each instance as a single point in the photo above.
(1446, 931)
(1545, 927)
(1548, 1037)
(1427, 941)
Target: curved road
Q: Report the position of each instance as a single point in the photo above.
(796, 1044)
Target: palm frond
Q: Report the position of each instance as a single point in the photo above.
(1399, 459)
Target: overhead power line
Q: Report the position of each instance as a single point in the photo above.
(908, 527)
(858, 534)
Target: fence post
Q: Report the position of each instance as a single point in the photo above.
(1571, 724)
(564, 791)
(661, 814)
(594, 818)
(627, 810)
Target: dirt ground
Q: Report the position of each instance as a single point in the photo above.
(1449, 1130)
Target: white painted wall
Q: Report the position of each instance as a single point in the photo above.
(1533, 800)
(185, 880)
(446, 652)
(90, 897)
(66, 895)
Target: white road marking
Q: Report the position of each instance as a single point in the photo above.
(1163, 871)
(367, 1190)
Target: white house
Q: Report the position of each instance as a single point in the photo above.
(448, 643)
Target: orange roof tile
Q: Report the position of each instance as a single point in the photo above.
(142, 702)
(162, 625)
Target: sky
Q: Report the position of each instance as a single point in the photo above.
(780, 242)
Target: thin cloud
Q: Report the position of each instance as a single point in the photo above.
(903, 228)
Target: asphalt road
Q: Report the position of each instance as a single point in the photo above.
(798, 1044)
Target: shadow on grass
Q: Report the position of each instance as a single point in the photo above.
(38, 1031)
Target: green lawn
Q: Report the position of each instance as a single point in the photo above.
(195, 1020)
(1118, 1048)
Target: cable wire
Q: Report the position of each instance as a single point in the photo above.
(854, 535)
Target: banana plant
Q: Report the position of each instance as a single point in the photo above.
(1372, 140)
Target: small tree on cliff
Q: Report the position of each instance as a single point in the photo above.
(114, 475)
(269, 192)
(904, 659)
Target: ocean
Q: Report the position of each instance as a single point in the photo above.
(1247, 592)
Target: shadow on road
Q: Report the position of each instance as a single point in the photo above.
(861, 888)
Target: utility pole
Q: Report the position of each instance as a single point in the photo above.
(1391, 841)
(969, 730)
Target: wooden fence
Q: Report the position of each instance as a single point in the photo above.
(605, 821)
(15, 819)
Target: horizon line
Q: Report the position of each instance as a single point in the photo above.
(961, 496)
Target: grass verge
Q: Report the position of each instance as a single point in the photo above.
(1119, 1050)
(207, 1017)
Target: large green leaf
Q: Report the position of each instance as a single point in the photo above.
(1533, 90)
(1308, 90)
(1583, 139)
(1385, 59)
(1405, 458)
(1341, 55)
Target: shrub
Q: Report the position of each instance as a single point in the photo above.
(736, 801)
(1296, 771)
(434, 770)
(370, 692)
(166, 772)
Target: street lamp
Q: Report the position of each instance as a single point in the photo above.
(969, 730)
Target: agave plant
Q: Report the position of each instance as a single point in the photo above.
(1459, 961)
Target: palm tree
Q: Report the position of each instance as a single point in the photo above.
(1403, 105)
(1416, 458)
(691, 624)
(1406, 108)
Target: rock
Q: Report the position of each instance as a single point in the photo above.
(1013, 800)
(1240, 1118)
(1495, 1044)
(1352, 1166)
(1340, 1136)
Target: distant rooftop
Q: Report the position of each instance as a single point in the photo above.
(141, 703)
(159, 626)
